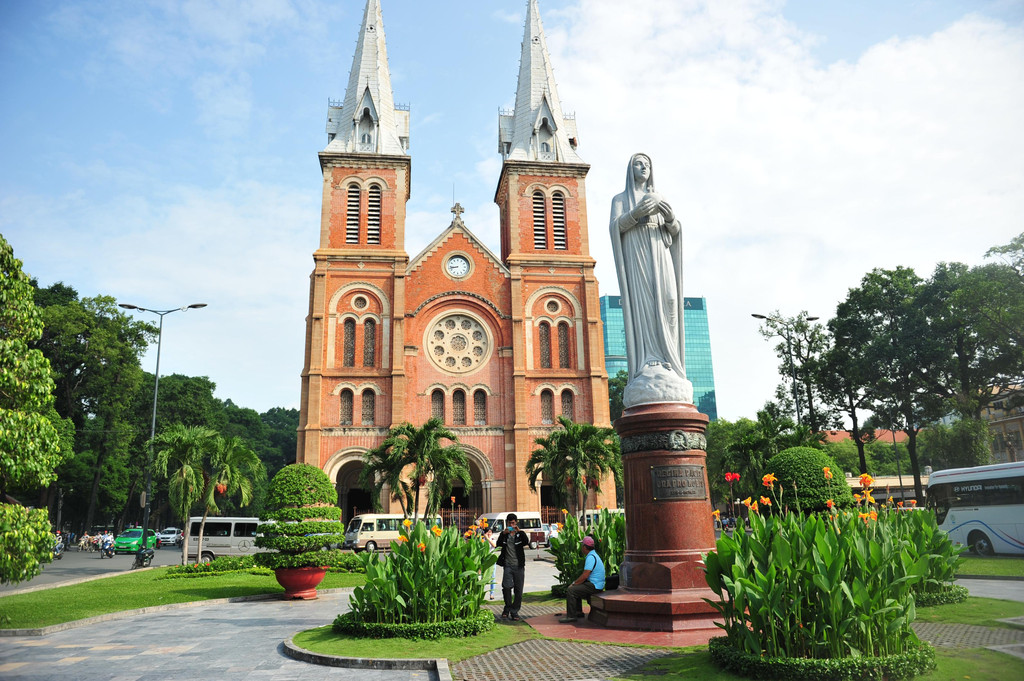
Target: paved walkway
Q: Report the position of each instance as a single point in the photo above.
(242, 642)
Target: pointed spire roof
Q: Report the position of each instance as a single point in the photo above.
(537, 130)
(367, 120)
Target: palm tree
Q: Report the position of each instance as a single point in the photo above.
(231, 469)
(181, 452)
(434, 467)
(574, 459)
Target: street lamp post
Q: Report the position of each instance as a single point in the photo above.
(789, 349)
(156, 392)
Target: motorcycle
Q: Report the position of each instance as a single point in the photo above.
(58, 549)
(143, 557)
(107, 549)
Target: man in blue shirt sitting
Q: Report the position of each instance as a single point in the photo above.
(590, 581)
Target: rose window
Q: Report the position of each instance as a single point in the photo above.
(458, 343)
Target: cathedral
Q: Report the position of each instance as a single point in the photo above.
(496, 345)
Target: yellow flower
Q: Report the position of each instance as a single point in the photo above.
(483, 522)
(889, 500)
(436, 530)
(867, 496)
(559, 525)
(565, 511)
(874, 515)
(468, 533)
(474, 527)
(866, 480)
(857, 498)
(753, 507)
(864, 517)
(402, 537)
(765, 501)
(828, 473)
(769, 480)
(715, 514)
(599, 507)
(407, 523)
(422, 547)
(746, 502)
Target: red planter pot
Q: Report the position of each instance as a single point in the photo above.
(300, 582)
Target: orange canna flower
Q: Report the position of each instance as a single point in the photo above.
(889, 500)
(467, 534)
(422, 547)
(436, 530)
(899, 504)
(874, 515)
(765, 501)
(828, 473)
(715, 514)
(769, 480)
(913, 502)
(866, 480)
(402, 537)
(746, 502)
(830, 504)
(599, 507)
(864, 517)
(559, 525)
(753, 507)
(857, 498)
(867, 496)
(407, 523)
(565, 511)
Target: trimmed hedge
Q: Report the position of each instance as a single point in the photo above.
(479, 623)
(804, 467)
(950, 593)
(888, 668)
(302, 508)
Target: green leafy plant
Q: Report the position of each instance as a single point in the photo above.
(609, 532)
(804, 487)
(431, 577)
(27, 542)
(303, 520)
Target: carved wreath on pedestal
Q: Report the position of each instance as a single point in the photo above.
(673, 440)
(457, 343)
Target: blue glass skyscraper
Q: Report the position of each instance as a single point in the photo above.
(698, 348)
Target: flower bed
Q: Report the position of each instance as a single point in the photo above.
(482, 621)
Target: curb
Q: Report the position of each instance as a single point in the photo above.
(439, 665)
(125, 614)
(997, 578)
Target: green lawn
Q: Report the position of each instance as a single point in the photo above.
(997, 566)
(136, 590)
(978, 611)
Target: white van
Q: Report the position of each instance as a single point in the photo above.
(590, 516)
(529, 522)
(223, 537)
(372, 531)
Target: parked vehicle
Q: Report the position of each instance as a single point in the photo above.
(143, 558)
(372, 531)
(529, 522)
(130, 540)
(170, 536)
(590, 515)
(550, 531)
(981, 507)
(223, 537)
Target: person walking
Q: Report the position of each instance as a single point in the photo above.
(590, 581)
(512, 543)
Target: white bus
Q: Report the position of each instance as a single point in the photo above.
(981, 507)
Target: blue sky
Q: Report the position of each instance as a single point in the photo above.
(165, 152)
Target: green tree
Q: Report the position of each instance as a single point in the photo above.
(230, 468)
(433, 466)
(722, 436)
(181, 452)
(29, 441)
(573, 459)
(961, 444)
(1002, 304)
(616, 389)
(844, 378)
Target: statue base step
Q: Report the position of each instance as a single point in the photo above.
(643, 610)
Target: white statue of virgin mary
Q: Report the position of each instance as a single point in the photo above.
(648, 247)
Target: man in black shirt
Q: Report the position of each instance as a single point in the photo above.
(512, 543)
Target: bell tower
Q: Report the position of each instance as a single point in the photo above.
(353, 374)
(558, 348)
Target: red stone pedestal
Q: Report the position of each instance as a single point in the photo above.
(668, 523)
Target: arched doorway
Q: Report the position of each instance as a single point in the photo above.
(352, 497)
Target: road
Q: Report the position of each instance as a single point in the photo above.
(77, 564)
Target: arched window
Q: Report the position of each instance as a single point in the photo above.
(367, 127)
(373, 215)
(479, 408)
(563, 345)
(369, 343)
(459, 408)
(352, 215)
(349, 335)
(369, 407)
(558, 221)
(547, 407)
(568, 405)
(545, 345)
(346, 407)
(540, 229)
(437, 404)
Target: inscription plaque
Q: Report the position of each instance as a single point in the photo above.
(683, 481)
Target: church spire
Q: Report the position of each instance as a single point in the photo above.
(536, 130)
(367, 120)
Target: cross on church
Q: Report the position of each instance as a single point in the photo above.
(458, 210)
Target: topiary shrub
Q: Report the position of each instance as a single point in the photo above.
(303, 520)
(805, 467)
